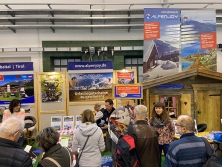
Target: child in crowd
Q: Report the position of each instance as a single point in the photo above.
(162, 123)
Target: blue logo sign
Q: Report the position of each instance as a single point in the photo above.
(20, 66)
(96, 65)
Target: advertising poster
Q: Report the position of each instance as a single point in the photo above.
(56, 122)
(198, 34)
(78, 121)
(161, 42)
(128, 91)
(90, 86)
(127, 77)
(19, 87)
(90, 81)
(68, 122)
(51, 88)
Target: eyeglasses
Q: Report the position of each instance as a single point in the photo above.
(178, 125)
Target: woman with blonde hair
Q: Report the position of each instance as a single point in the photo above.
(89, 138)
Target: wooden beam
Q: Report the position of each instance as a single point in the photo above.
(195, 104)
(209, 86)
(148, 101)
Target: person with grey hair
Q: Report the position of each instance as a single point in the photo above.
(99, 113)
(47, 139)
(11, 152)
(187, 151)
(146, 138)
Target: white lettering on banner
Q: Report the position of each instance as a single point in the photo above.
(92, 65)
(90, 93)
(20, 66)
(93, 76)
(92, 97)
(165, 16)
(5, 66)
(169, 11)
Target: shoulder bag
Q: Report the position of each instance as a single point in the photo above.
(78, 158)
(56, 163)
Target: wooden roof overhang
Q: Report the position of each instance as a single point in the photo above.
(181, 75)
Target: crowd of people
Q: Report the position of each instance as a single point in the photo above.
(152, 137)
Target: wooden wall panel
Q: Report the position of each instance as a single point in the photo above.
(208, 109)
(185, 104)
(153, 100)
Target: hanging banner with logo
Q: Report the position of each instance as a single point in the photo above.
(16, 82)
(90, 80)
(198, 34)
(161, 42)
(19, 66)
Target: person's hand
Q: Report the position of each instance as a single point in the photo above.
(104, 127)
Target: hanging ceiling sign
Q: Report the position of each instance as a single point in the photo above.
(19, 66)
(95, 65)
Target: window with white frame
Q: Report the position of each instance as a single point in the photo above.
(61, 64)
(135, 63)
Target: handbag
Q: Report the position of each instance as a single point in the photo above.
(77, 159)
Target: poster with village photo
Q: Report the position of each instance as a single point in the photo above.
(198, 38)
(56, 122)
(19, 87)
(68, 122)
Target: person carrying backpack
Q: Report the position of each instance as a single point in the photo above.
(140, 148)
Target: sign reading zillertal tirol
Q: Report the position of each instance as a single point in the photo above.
(100, 94)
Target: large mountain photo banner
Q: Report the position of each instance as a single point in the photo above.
(161, 42)
(198, 34)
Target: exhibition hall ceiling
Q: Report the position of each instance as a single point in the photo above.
(71, 16)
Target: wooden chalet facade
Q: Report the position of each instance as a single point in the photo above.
(196, 92)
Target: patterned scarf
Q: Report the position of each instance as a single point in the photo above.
(158, 123)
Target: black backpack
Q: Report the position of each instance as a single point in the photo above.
(126, 153)
(209, 159)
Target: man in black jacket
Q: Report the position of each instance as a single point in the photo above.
(11, 153)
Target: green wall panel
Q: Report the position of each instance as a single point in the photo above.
(118, 58)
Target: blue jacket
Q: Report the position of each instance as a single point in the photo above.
(186, 152)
